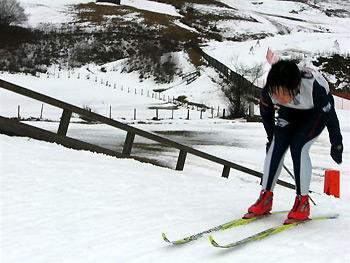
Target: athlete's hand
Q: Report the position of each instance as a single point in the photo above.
(336, 153)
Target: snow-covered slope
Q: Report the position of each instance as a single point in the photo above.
(41, 11)
(299, 31)
(61, 205)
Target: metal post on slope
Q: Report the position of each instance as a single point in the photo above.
(291, 175)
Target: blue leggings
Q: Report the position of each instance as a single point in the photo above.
(297, 129)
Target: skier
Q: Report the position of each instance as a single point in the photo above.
(257, 43)
(336, 45)
(306, 106)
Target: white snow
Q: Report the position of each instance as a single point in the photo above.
(63, 205)
(42, 11)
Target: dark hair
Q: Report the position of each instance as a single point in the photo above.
(284, 73)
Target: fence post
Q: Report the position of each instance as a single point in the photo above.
(129, 140)
(19, 112)
(181, 160)
(41, 111)
(251, 109)
(65, 118)
(226, 171)
(188, 114)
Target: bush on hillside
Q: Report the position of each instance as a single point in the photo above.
(11, 13)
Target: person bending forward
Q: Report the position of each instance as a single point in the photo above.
(306, 107)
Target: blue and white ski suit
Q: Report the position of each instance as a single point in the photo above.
(298, 125)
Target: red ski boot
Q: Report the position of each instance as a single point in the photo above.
(300, 210)
(262, 206)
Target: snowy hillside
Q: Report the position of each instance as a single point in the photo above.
(299, 32)
(63, 205)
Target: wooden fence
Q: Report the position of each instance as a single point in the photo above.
(216, 111)
(14, 127)
(234, 77)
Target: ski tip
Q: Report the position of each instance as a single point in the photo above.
(291, 221)
(326, 217)
(213, 242)
(165, 238)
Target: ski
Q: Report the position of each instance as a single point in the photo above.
(231, 224)
(268, 232)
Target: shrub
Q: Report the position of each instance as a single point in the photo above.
(11, 13)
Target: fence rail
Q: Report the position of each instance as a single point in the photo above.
(12, 127)
(238, 80)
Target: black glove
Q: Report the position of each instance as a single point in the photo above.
(268, 144)
(336, 153)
